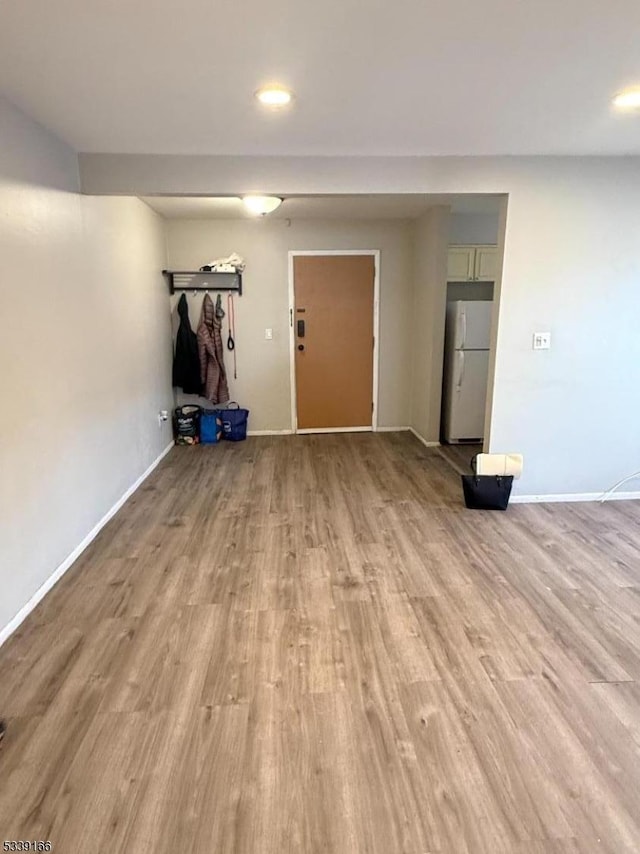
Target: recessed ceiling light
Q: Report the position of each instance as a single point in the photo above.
(628, 100)
(261, 205)
(274, 96)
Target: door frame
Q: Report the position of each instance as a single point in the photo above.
(375, 331)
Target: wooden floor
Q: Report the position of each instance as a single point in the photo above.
(460, 456)
(306, 644)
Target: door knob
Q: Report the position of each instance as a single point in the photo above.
(300, 346)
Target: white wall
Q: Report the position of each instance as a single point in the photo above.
(263, 383)
(430, 234)
(474, 228)
(85, 350)
(571, 267)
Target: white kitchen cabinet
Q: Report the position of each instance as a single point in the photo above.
(486, 267)
(472, 263)
(460, 263)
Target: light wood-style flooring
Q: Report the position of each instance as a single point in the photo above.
(306, 644)
(460, 456)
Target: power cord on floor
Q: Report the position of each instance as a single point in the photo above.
(609, 492)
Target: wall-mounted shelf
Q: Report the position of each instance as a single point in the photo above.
(195, 280)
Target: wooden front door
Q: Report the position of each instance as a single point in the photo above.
(333, 329)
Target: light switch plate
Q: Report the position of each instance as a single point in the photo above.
(541, 340)
(268, 334)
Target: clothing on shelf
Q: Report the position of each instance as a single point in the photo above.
(212, 372)
(233, 263)
(186, 362)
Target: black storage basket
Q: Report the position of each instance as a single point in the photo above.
(486, 491)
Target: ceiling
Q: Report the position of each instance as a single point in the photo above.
(414, 77)
(323, 207)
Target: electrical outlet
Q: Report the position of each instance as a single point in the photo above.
(541, 340)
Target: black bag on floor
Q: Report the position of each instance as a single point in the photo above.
(187, 425)
(486, 491)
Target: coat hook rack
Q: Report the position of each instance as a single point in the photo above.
(196, 280)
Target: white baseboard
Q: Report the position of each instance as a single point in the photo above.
(426, 443)
(568, 497)
(336, 430)
(329, 430)
(269, 432)
(57, 574)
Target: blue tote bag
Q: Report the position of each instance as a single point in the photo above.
(234, 422)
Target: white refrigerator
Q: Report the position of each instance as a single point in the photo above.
(466, 369)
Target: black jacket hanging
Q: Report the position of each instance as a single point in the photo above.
(186, 362)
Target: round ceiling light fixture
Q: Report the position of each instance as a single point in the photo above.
(628, 99)
(275, 97)
(261, 205)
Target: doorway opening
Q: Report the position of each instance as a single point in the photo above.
(384, 357)
(474, 262)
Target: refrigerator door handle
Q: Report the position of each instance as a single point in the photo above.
(463, 319)
(460, 370)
